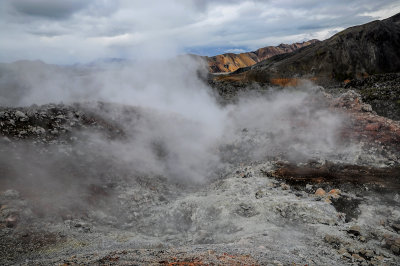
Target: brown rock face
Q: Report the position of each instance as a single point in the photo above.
(231, 62)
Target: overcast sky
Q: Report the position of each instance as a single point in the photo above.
(79, 31)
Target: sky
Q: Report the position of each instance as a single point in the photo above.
(82, 31)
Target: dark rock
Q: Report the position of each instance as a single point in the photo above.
(392, 243)
(396, 227)
(11, 221)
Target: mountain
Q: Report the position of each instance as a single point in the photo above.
(230, 62)
(356, 52)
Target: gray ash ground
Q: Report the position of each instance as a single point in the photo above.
(91, 208)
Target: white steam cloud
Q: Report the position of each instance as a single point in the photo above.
(181, 132)
(172, 127)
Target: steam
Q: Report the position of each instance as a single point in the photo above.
(172, 123)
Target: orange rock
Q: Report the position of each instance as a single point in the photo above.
(335, 193)
(285, 82)
(320, 192)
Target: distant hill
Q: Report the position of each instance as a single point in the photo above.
(356, 52)
(230, 62)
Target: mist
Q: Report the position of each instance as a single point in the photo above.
(170, 123)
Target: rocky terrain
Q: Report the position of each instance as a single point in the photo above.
(381, 91)
(230, 62)
(90, 206)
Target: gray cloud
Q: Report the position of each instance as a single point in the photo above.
(82, 31)
(49, 8)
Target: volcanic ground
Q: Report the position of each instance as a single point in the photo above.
(73, 193)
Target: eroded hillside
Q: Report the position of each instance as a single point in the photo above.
(230, 62)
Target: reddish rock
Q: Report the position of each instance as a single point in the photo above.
(372, 127)
(366, 126)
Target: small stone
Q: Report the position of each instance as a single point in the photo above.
(366, 108)
(369, 253)
(327, 200)
(285, 186)
(320, 192)
(354, 230)
(395, 249)
(357, 257)
(309, 187)
(335, 193)
(396, 227)
(347, 255)
(11, 221)
(21, 116)
(39, 130)
(259, 194)
(351, 249)
(333, 240)
(342, 251)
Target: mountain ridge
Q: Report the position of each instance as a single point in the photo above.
(229, 62)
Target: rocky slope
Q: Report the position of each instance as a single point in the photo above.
(230, 62)
(356, 52)
(382, 91)
(90, 206)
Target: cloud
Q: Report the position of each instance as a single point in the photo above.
(235, 50)
(81, 31)
(48, 8)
